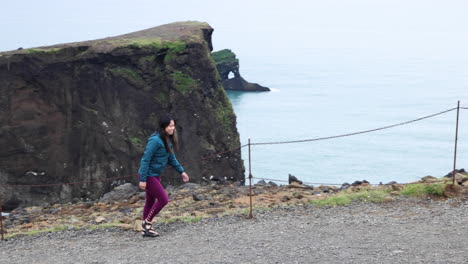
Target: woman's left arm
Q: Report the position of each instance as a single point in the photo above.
(176, 165)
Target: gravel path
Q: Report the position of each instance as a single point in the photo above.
(405, 231)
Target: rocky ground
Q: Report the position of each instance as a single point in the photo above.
(190, 202)
(209, 224)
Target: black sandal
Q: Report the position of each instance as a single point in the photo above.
(148, 230)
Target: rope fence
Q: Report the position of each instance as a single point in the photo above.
(250, 177)
(355, 133)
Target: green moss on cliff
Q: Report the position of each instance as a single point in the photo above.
(129, 75)
(175, 48)
(183, 82)
(162, 99)
(136, 140)
(156, 43)
(38, 50)
(224, 56)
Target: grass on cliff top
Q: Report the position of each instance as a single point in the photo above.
(157, 43)
(41, 50)
(382, 195)
(347, 197)
(224, 56)
(421, 189)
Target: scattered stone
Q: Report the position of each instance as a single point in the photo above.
(33, 209)
(450, 174)
(345, 186)
(126, 220)
(120, 193)
(460, 178)
(285, 199)
(54, 211)
(100, 219)
(392, 182)
(216, 179)
(272, 184)
(137, 225)
(189, 186)
(126, 210)
(293, 178)
(135, 198)
(298, 195)
(429, 179)
(261, 183)
(356, 183)
(299, 186)
(199, 197)
(142, 195)
(215, 211)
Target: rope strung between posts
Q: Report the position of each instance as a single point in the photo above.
(355, 133)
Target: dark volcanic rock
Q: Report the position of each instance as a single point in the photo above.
(120, 193)
(293, 178)
(82, 112)
(227, 63)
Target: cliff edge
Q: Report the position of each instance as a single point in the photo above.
(82, 112)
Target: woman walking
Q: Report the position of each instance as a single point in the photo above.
(158, 153)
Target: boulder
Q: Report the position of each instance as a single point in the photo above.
(450, 174)
(100, 219)
(345, 186)
(272, 184)
(293, 178)
(429, 179)
(120, 193)
(199, 197)
(261, 183)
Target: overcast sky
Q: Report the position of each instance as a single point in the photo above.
(30, 23)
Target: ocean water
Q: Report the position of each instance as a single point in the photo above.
(335, 67)
(335, 92)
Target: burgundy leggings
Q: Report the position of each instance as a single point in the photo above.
(156, 198)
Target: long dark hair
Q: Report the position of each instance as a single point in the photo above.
(164, 122)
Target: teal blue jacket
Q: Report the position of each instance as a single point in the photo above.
(156, 157)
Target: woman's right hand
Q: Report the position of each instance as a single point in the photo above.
(142, 185)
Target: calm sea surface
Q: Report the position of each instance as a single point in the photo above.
(328, 93)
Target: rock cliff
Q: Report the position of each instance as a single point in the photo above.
(226, 63)
(82, 112)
